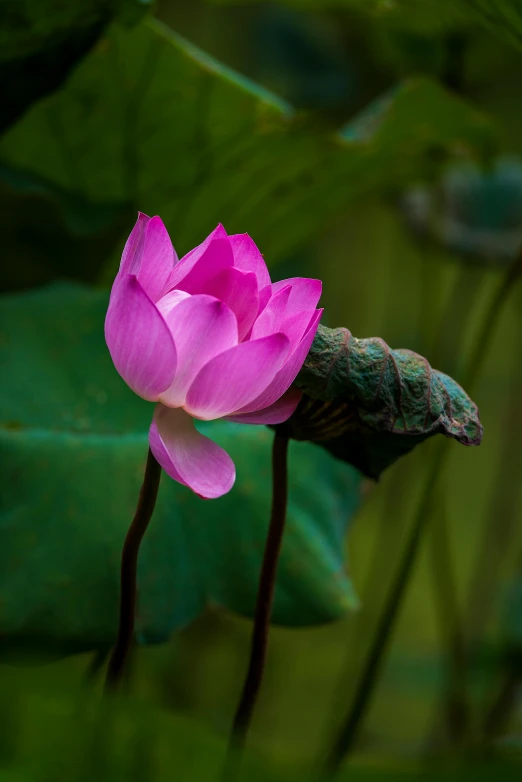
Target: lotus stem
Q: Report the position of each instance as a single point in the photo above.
(454, 716)
(128, 575)
(368, 681)
(457, 696)
(265, 595)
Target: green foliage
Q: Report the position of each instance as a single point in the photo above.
(67, 733)
(41, 40)
(503, 17)
(415, 117)
(81, 217)
(227, 151)
(29, 26)
(74, 443)
(149, 119)
(369, 404)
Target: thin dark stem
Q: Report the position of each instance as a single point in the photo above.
(265, 595)
(496, 536)
(371, 592)
(129, 567)
(456, 704)
(348, 734)
(441, 550)
(368, 681)
(453, 327)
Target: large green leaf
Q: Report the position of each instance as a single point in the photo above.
(73, 442)
(148, 118)
(82, 218)
(368, 404)
(40, 40)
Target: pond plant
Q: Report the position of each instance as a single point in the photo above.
(270, 425)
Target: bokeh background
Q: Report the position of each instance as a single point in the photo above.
(377, 146)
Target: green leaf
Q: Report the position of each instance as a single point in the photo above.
(368, 404)
(73, 443)
(41, 40)
(29, 26)
(380, 132)
(81, 216)
(149, 118)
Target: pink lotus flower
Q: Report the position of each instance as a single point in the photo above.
(206, 337)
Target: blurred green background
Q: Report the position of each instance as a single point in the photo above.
(375, 145)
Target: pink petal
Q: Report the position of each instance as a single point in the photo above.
(150, 256)
(158, 260)
(134, 243)
(203, 262)
(265, 294)
(248, 258)
(305, 293)
(188, 456)
(139, 339)
(167, 303)
(277, 413)
(232, 379)
(239, 291)
(272, 316)
(297, 325)
(287, 374)
(195, 254)
(202, 327)
(217, 257)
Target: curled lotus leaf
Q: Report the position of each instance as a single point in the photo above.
(368, 404)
